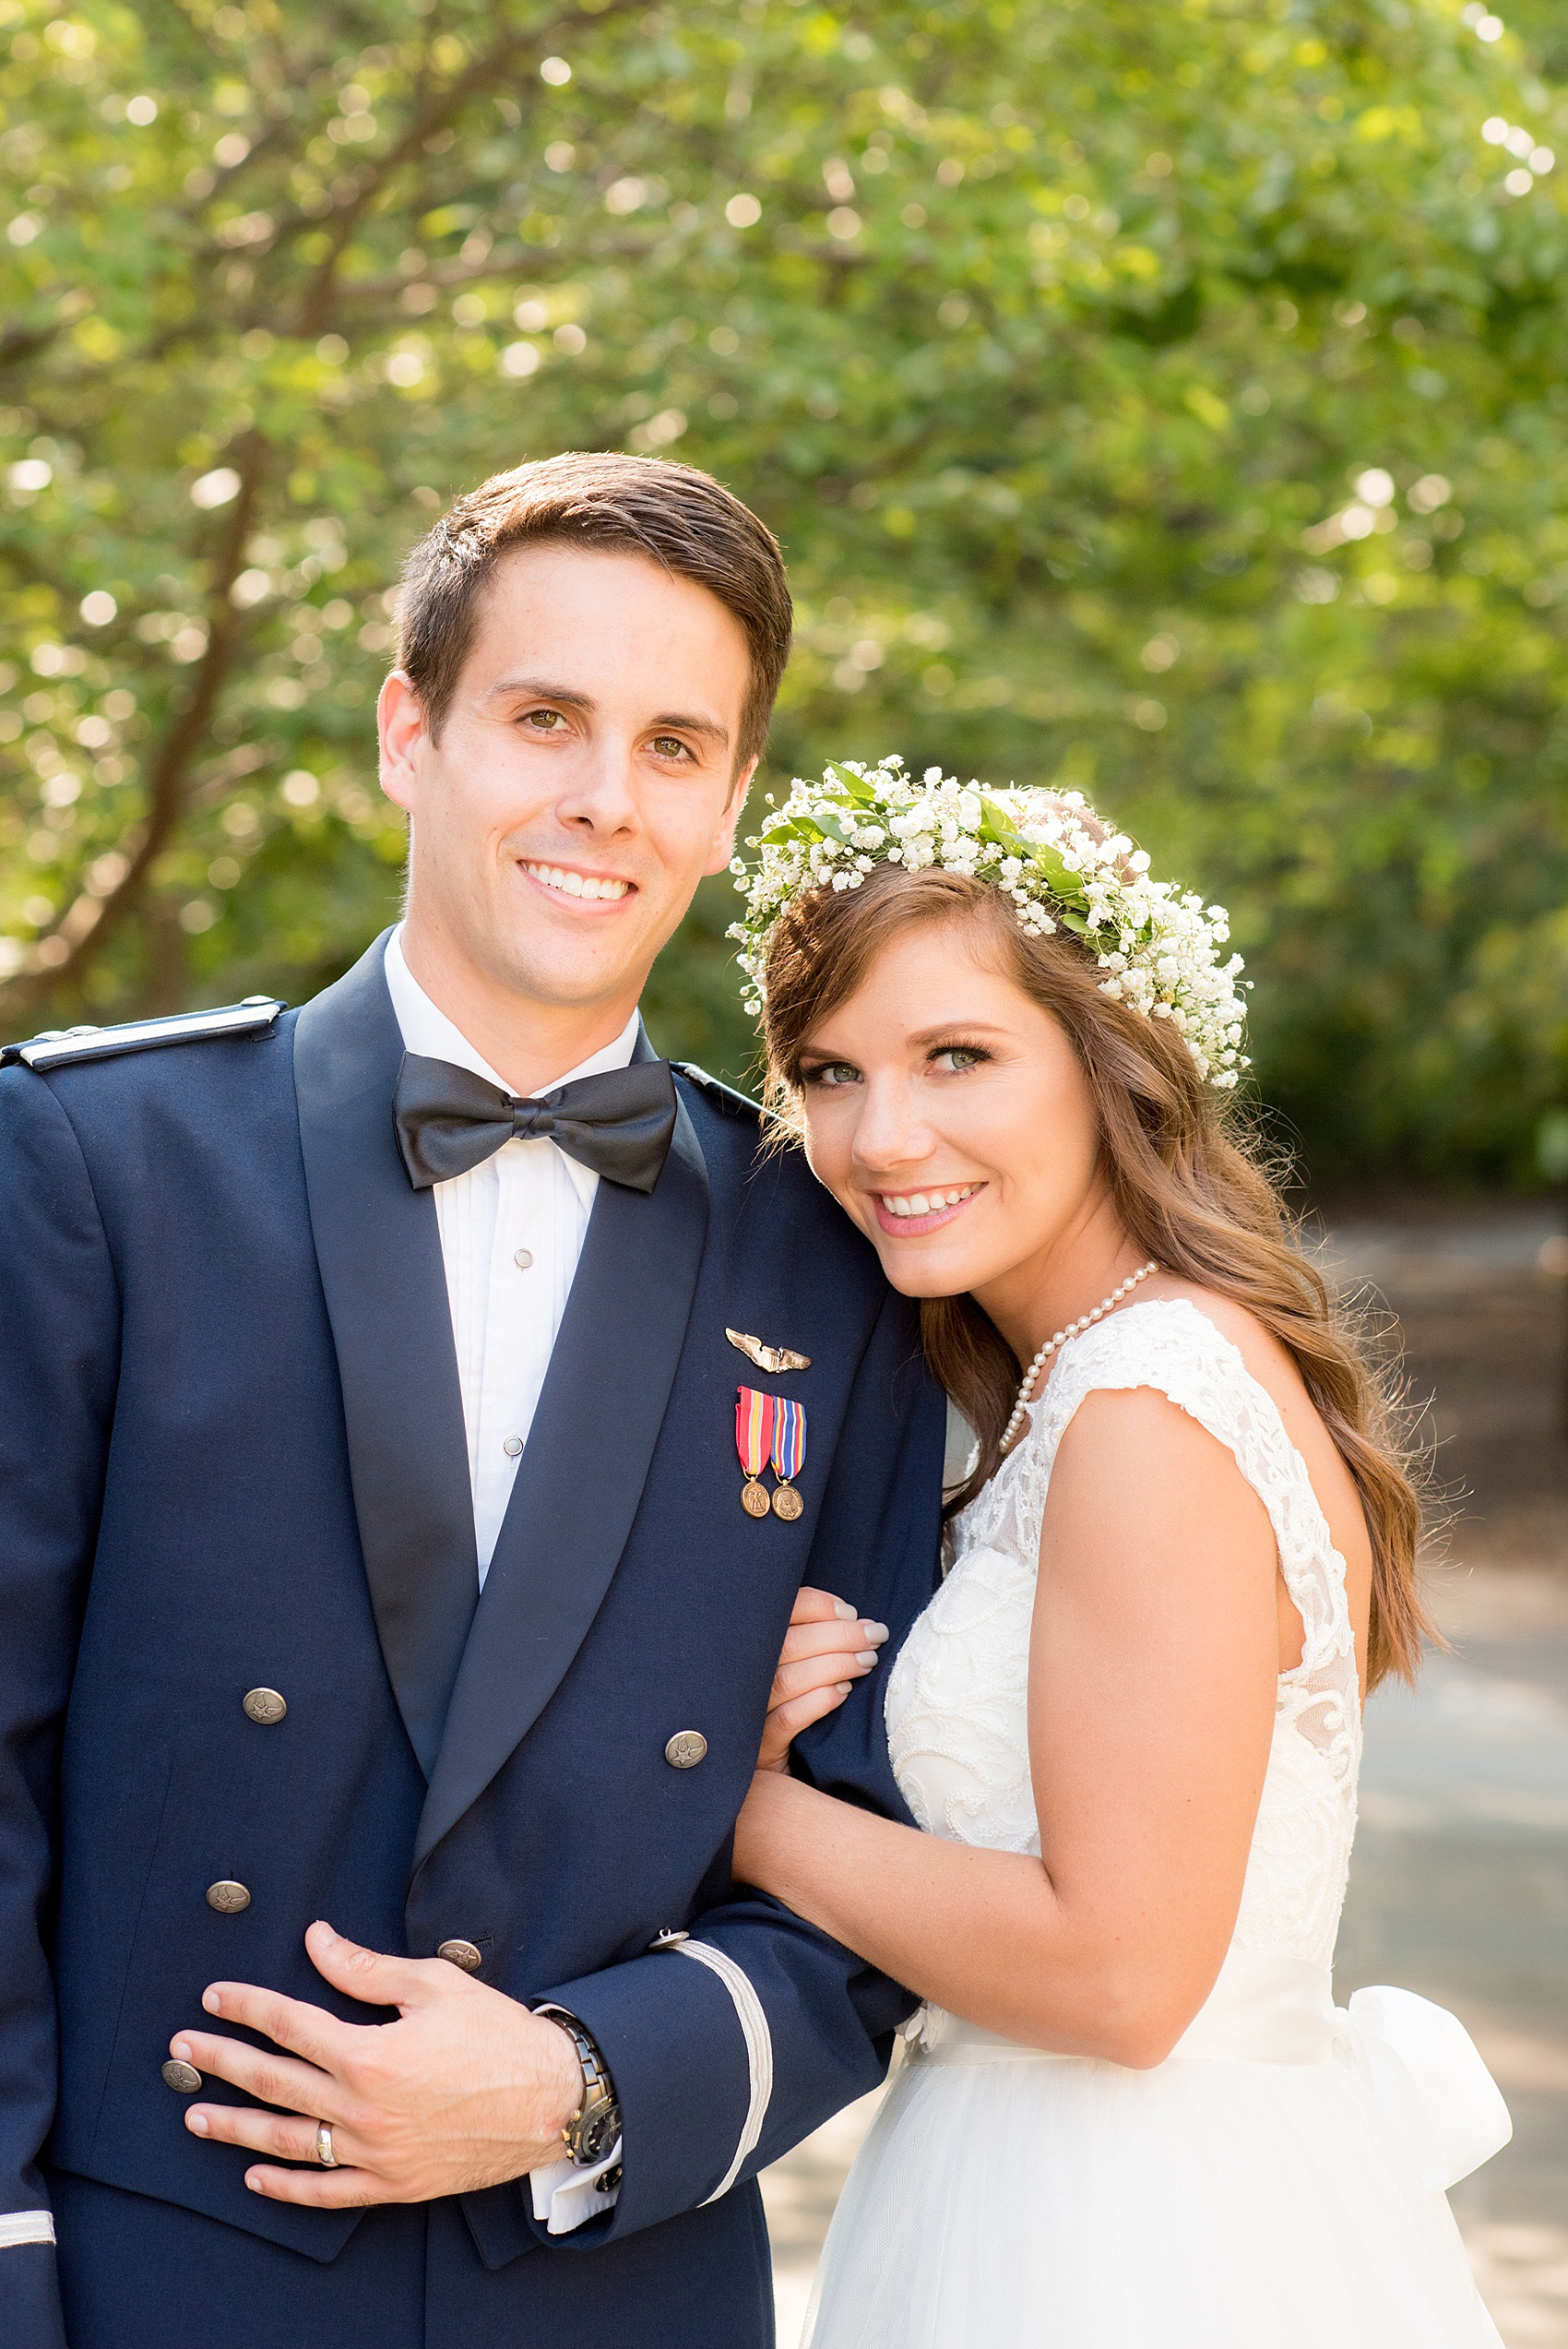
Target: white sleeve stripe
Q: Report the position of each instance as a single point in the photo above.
(25, 2226)
(759, 2050)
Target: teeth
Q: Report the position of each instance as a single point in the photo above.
(909, 1203)
(587, 885)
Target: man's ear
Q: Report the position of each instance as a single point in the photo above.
(723, 847)
(400, 719)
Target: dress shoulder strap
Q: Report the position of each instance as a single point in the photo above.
(1168, 1344)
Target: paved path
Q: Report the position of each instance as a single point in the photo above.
(1460, 1883)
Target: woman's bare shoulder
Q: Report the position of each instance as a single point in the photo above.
(1274, 1366)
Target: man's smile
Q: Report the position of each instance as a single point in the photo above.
(567, 880)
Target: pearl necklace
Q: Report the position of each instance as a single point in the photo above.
(1106, 1305)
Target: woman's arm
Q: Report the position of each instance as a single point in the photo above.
(1152, 1685)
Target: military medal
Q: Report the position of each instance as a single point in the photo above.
(789, 1456)
(754, 1441)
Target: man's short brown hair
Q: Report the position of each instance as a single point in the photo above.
(682, 519)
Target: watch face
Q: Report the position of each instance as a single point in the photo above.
(600, 2130)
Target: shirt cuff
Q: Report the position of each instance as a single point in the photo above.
(567, 2194)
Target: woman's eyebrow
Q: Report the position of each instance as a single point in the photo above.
(954, 1027)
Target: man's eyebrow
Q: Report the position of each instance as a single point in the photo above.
(541, 689)
(683, 723)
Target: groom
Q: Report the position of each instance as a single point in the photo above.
(386, 1647)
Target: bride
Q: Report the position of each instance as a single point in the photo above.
(1128, 1724)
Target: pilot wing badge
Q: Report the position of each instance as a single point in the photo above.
(773, 1359)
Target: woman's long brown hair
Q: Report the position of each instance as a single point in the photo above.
(1190, 1187)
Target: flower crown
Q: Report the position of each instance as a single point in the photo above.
(1158, 948)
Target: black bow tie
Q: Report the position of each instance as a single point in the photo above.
(618, 1123)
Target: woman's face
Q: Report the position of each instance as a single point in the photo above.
(948, 1115)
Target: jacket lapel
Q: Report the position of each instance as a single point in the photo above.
(581, 1479)
(379, 1253)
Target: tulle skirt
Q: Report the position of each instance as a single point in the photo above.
(1003, 2198)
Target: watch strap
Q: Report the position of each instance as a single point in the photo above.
(592, 2131)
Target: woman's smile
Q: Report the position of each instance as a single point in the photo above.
(909, 1213)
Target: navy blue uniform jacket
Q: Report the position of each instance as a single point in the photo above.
(232, 1456)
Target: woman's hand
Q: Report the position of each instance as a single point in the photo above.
(826, 1648)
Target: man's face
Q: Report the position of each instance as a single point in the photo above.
(585, 776)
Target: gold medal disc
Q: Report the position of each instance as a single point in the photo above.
(754, 1497)
(787, 1503)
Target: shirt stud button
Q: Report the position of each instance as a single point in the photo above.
(264, 1706)
(462, 1954)
(513, 1447)
(183, 2079)
(228, 1897)
(523, 1258)
(685, 1749)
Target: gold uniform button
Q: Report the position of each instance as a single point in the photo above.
(685, 1749)
(228, 1897)
(183, 2079)
(461, 1953)
(264, 1706)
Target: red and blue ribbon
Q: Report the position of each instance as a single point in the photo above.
(789, 1438)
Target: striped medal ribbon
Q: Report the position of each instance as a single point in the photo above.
(754, 1441)
(789, 1455)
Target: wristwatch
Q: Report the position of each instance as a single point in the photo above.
(592, 2134)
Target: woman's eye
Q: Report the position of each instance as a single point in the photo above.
(831, 1072)
(953, 1059)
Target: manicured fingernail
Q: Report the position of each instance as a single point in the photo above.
(252, 2179)
(212, 2002)
(845, 1687)
(845, 1613)
(180, 2048)
(196, 2124)
(866, 1656)
(874, 1632)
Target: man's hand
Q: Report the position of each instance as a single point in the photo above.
(467, 2089)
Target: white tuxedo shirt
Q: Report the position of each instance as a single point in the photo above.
(510, 1231)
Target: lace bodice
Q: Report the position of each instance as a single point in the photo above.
(956, 1702)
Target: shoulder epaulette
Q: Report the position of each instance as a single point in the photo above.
(57, 1047)
(722, 1096)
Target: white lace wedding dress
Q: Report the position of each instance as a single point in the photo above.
(1277, 2182)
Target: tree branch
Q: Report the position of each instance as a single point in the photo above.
(88, 922)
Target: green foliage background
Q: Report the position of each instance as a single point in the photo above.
(1052, 339)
